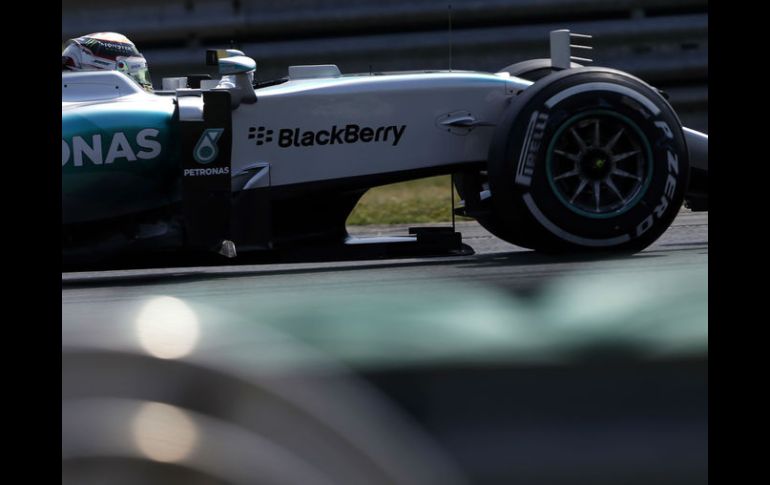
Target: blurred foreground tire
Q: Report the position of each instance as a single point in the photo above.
(169, 392)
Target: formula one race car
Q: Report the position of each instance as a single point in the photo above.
(545, 154)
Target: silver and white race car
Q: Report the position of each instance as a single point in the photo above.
(545, 154)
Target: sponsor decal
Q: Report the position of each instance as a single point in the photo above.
(263, 135)
(204, 172)
(529, 149)
(206, 149)
(90, 150)
(336, 135)
(672, 167)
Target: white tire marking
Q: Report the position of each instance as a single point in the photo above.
(521, 177)
(615, 88)
(557, 231)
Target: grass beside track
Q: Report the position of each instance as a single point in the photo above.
(423, 200)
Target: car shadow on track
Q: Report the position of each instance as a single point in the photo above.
(199, 273)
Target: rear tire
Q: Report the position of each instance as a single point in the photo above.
(588, 159)
(470, 185)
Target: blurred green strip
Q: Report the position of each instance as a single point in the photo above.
(609, 312)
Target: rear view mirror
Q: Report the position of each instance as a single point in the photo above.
(214, 55)
(236, 65)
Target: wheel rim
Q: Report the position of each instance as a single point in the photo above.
(599, 164)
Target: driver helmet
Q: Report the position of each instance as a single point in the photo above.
(106, 51)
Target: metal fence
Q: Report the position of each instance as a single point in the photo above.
(665, 42)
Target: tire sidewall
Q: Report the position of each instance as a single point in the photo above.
(518, 166)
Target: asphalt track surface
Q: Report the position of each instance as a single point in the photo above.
(512, 422)
(499, 264)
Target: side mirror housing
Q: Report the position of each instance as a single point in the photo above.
(229, 66)
(239, 68)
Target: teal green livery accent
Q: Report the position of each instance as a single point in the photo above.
(118, 158)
